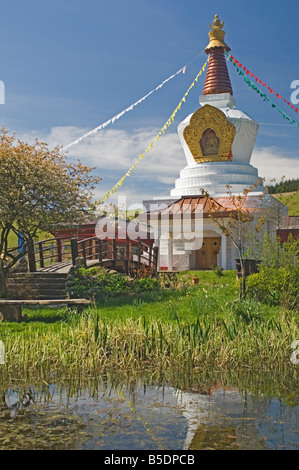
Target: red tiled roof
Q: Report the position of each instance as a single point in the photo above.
(193, 205)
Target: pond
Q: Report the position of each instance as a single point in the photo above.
(247, 411)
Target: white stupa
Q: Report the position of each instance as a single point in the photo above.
(212, 170)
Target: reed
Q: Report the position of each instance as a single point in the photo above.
(90, 345)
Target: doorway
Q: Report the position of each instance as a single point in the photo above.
(206, 256)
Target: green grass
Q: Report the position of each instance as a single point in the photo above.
(172, 332)
(291, 200)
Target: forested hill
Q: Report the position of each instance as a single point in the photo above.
(285, 186)
(287, 192)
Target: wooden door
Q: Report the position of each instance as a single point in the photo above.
(206, 256)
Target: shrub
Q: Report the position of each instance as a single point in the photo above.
(145, 285)
(98, 282)
(275, 285)
(218, 270)
(144, 272)
(277, 282)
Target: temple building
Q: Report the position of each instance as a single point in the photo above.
(218, 141)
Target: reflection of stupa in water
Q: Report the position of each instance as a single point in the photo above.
(218, 420)
(218, 142)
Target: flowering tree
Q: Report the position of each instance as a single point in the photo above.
(238, 224)
(38, 190)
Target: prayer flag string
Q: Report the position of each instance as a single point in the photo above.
(118, 185)
(130, 108)
(245, 73)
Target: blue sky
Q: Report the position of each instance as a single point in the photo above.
(70, 65)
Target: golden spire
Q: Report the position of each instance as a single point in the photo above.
(217, 78)
(216, 35)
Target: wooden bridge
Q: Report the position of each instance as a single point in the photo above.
(50, 261)
(60, 254)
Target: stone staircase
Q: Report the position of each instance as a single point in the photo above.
(39, 285)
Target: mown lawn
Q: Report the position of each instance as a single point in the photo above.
(213, 297)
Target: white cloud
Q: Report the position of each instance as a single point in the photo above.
(272, 163)
(114, 151)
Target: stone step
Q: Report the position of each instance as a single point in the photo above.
(42, 283)
(43, 286)
(37, 276)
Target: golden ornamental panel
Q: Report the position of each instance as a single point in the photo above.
(210, 135)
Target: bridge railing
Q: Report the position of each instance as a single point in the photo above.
(58, 250)
(113, 251)
(48, 252)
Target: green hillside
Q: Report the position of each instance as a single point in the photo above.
(291, 200)
(13, 239)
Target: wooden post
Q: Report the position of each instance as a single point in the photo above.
(59, 250)
(31, 256)
(84, 249)
(170, 252)
(74, 250)
(223, 251)
(94, 250)
(128, 249)
(41, 255)
(100, 253)
(114, 251)
(128, 255)
(156, 252)
(90, 250)
(139, 254)
(150, 257)
(104, 249)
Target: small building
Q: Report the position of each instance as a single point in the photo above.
(289, 226)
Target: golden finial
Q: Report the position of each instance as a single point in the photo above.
(217, 34)
(217, 24)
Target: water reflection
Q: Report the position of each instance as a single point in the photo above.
(216, 411)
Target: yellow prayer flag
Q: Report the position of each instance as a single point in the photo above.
(162, 131)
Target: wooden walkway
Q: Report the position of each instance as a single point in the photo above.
(64, 268)
(58, 255)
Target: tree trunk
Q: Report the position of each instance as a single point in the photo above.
(3, 280)
(242, 282)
